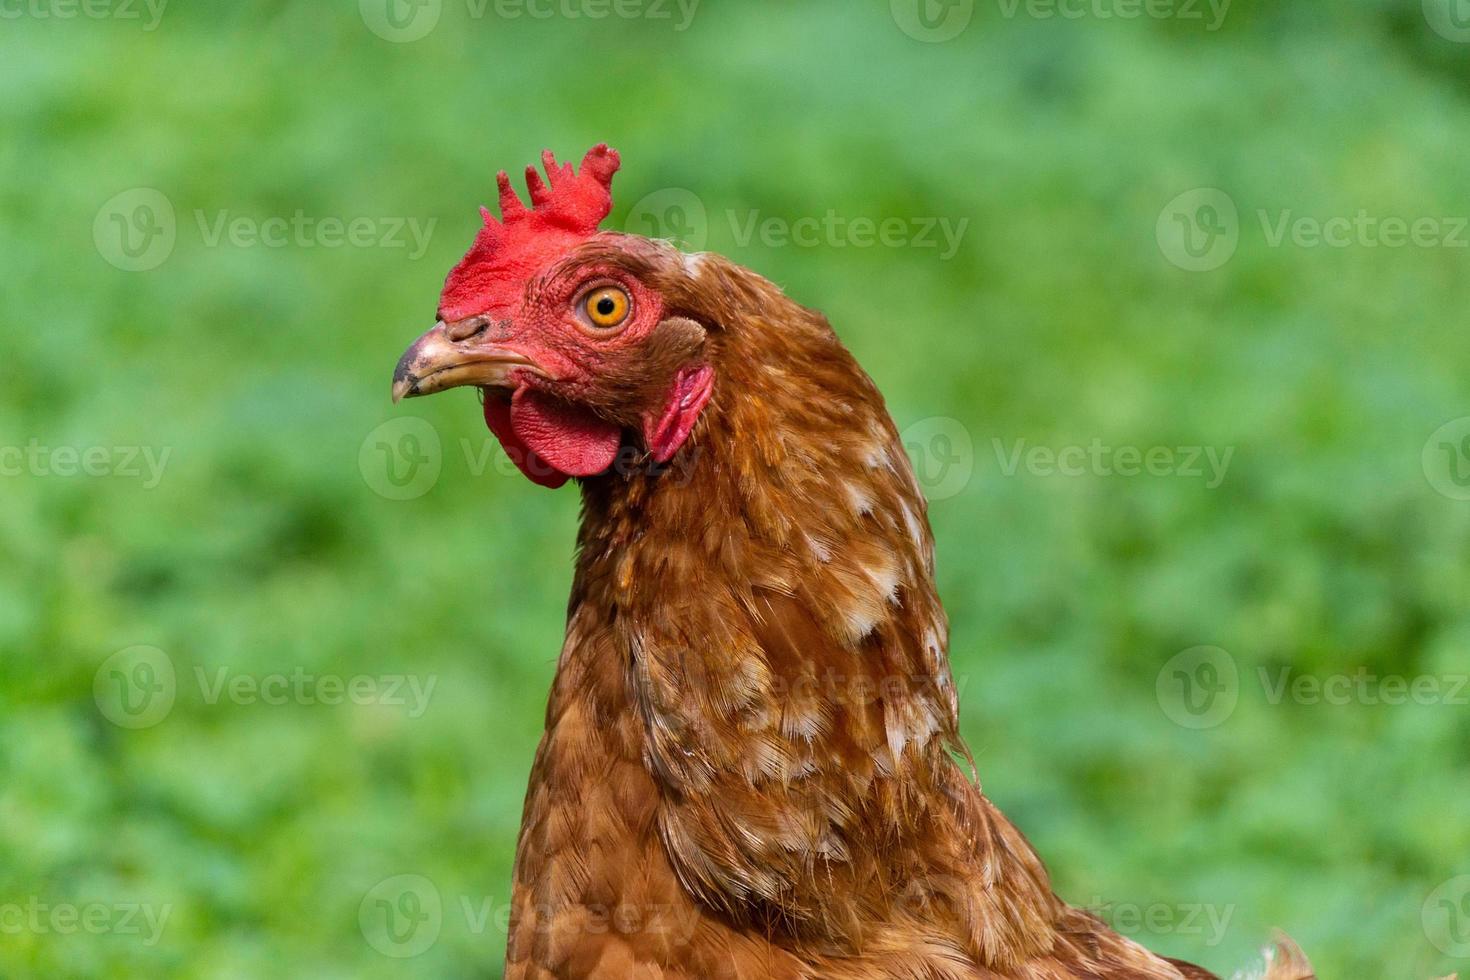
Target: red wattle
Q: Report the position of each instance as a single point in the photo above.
(549, 440)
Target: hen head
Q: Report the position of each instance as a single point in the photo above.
(571, 334)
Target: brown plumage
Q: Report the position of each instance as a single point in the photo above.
(752, 764)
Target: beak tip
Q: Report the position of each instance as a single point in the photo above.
(436, 361)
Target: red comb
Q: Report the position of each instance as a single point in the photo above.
(508, 251)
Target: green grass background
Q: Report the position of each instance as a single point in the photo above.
(264, 548)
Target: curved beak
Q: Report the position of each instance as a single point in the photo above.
(441, 359)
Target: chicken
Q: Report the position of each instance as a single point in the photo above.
(752, 764)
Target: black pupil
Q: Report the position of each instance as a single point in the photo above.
(606, 306)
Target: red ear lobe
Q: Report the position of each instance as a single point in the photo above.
(665, 433)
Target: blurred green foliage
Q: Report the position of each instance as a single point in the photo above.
(265, 549)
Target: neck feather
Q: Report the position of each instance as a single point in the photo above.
(769, 599)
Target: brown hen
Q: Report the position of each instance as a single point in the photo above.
(752, 764)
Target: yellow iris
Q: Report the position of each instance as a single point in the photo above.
(607, 307)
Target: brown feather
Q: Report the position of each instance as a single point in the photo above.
(749, 761)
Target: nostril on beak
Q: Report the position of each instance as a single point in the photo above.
(467, 328)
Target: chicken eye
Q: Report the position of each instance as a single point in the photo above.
(607, 307)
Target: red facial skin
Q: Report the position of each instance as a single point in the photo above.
(544, 426)
(522, 288)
